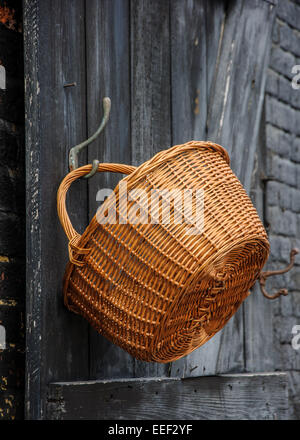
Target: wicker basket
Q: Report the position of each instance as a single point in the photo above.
(158, 290)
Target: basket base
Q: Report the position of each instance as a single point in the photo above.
(211, 300)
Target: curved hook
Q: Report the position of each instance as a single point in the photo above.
(93, 170)
(73, 155)
(264, 275)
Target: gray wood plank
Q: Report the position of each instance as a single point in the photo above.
(108, 74)
(33, 239)
(258, 311)
(238, 88)
(150, 98)
(234, 111)
(215, 14)
(196, 35)
(57, 340)
(189, 70)
(227, 397)
(196, 30)
(150, 78)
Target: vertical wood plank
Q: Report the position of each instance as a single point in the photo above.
(258, 311)
(238, 88)
(150, 98)
(196, 28)
(150, 78)
(189, 70)
(56, 116)
(33, 239)
(108, 74)
(233, 114)
(215, 23)
(234, 121)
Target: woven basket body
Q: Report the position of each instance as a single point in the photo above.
(158, 290)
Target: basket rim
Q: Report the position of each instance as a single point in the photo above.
(150, 165)
(139, 172)
(159, 158)
(165, 155)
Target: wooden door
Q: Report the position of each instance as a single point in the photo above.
(175, 70)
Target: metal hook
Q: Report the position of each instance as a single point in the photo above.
(73, 155)
(264, 275)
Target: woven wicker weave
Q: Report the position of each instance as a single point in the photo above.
(156, 290)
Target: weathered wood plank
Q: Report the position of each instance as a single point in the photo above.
(108, 74)
(234, 110)
(150, 78)
(238, 88)
(57, 340)
(197, 29)
(238, 397)
(189, 70)
(215, 15)
(258, 311)
(33, 239)
(150, 98)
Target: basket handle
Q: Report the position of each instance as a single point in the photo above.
(70, 232)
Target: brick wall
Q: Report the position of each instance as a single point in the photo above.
(12, 211)
(282, 195)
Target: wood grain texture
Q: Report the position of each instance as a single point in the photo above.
(33, 238)
(189, 70)
(258, 311)
(196, 33)
(215, 22)
(197, 30)
(238, 89)
(150, 98)
(234, 109)
(228, 397)
(108, 74)
(150, 78)
(57, 339)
